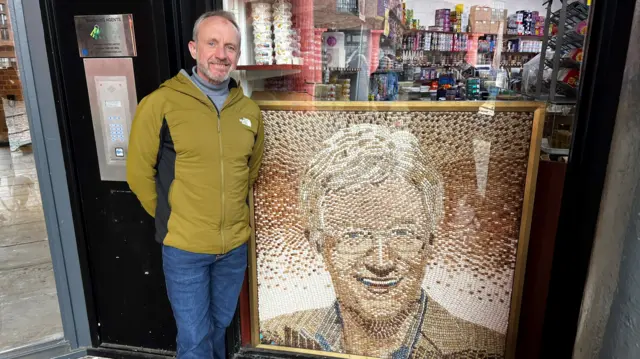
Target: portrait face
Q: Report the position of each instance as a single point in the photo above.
(216, 49)
(376, 247)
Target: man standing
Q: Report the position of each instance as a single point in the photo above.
(194, 155)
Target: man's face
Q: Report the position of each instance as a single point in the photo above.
(376, 247)
(217, 49)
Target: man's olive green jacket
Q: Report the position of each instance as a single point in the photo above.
(192, 167)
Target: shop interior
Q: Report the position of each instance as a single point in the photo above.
(432, 51)
(394, 50)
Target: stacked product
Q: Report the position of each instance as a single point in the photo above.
(286, 38)
(412, 41)
(346, 89)
(436, 41)
(314, 56)
(525, 21)
(331, 92)
(539, 25)
(512, 24)
(473, 89)
(384, 87)
(262, 35)
(518, 45)
(445, 42)
(480, 19)
(455, 18)
(498, 23)
(460, 42)
(427, 41)
(443, 19)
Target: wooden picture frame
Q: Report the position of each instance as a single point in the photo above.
(489, 108)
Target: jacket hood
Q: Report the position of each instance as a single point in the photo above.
(182, 83)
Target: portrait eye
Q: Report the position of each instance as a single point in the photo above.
(400, 232)
(354, 235)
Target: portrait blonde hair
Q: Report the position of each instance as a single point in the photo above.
(362, 155)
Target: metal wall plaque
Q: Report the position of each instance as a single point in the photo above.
(105, 35)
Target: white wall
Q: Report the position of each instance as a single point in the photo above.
(425, 10)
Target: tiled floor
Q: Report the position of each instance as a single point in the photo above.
(29, 309)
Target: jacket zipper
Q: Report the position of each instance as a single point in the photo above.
(221, 184)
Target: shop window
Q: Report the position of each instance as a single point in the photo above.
(29, 311)
(396, 68)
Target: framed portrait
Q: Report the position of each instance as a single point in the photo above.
(393, 230)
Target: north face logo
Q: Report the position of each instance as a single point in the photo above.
(245, 121)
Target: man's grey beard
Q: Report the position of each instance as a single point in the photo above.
(216, 80)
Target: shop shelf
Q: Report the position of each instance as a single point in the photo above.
(344, 69)
(268, 67)
(523, 37)
(261, 72)
(565, 63)
(576, 12)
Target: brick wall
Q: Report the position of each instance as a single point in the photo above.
(10, 85)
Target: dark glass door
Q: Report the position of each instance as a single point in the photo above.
(122, 263)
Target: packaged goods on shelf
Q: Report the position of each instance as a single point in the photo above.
(519, 45)
(539, 27)
(570, 77)
(581, 28)
(496, 27)
(481, 26)
(525, 21)
(480, 13)
(443, 19)
(575, 55)
(262, 18)
(383, 87)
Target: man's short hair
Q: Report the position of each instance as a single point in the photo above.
(367, 154)
(219, 13)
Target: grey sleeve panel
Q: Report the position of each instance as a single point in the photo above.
(165, 174)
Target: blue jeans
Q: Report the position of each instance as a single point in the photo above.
(203, 290)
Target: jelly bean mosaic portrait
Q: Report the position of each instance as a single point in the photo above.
(390, 234)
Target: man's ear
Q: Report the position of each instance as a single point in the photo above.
(235, 65)
(192, 49)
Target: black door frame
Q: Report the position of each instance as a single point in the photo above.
(610, 24)
(183, 14)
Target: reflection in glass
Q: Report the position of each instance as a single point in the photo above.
(29, 310)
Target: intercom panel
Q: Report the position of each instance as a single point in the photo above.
(112, 96)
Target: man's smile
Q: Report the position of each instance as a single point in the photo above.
(220, 67)
(379, 285)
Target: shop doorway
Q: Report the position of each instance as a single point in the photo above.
(124, 283)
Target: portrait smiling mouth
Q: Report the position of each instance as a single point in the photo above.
(379, 285)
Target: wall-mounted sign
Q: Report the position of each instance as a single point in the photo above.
(105, 35)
